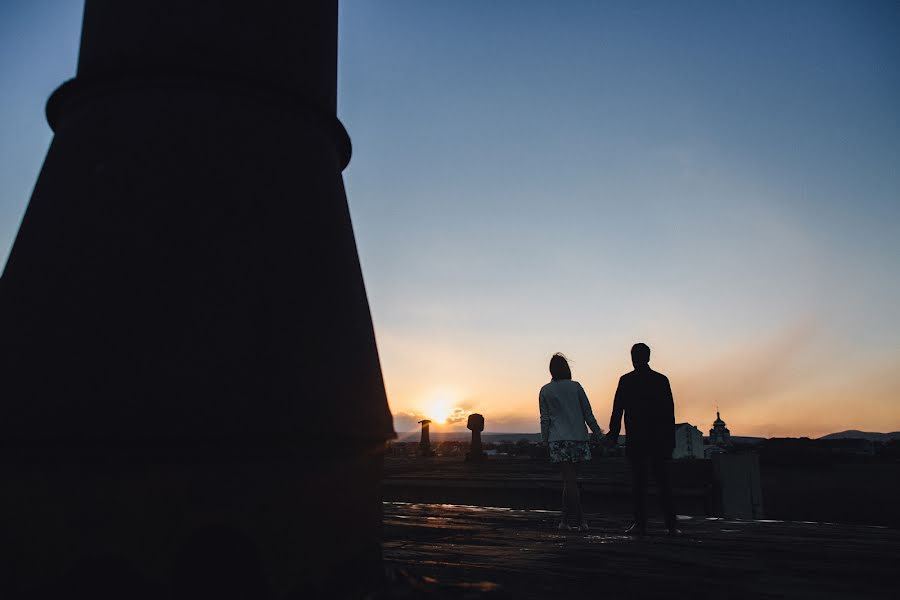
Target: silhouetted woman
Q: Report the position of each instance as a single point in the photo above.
(564, 411)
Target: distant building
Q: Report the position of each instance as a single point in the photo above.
(719, 434)
(688, 441)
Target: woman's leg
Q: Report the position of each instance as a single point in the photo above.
(571, 495)
(564, 511)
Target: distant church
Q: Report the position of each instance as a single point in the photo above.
(689, 442)
(719, 434)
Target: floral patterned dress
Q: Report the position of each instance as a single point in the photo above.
(569, 451)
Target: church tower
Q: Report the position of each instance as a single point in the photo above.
(719, 434)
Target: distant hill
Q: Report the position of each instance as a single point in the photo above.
(862, 435)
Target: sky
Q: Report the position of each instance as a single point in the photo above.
(718, 179)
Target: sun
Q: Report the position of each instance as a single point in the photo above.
(439, 408)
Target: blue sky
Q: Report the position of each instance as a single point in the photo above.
(719, 179)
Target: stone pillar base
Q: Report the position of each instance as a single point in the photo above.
(253, 524)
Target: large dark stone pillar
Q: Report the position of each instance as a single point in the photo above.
(186, 349)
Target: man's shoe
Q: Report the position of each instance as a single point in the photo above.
(674, 531)
(583, 526)
(636, 529)
(563, 527)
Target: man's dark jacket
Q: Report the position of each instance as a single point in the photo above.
(646, 399)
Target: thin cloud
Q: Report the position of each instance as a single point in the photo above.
(459, 415)
(751, 372)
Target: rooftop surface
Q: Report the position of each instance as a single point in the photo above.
(861, 491)
(523, 553)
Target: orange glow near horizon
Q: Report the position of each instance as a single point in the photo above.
(779, 384)
(439, 407)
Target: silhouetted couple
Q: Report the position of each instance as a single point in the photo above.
(645, 398)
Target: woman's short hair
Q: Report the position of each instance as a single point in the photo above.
(559, 367)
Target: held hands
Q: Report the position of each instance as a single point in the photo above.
(603, 440)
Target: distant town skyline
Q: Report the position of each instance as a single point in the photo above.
(458, 428)
(716, 179)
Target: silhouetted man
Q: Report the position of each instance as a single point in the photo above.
(646, 399)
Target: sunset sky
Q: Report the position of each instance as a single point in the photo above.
(718, 179)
